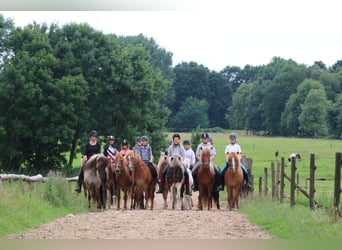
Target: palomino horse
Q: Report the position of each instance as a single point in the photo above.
(233, 179)
(96, 173)
(175, 181)
(205, 179)
(142, 179)
(123, 180)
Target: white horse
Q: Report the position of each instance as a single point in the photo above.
(188, 200)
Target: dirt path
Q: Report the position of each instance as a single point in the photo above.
(149, 224)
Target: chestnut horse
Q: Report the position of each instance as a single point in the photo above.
(123, 180)
(96, 174)
(142, 179)
(205, 179)
(233, 179)
(163, 161)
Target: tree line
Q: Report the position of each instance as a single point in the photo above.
(58, 83)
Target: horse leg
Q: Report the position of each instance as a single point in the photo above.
(178, 196)
(165, 193)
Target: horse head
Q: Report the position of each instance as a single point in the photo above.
(119, 161)
(234, 161)
(205, 157)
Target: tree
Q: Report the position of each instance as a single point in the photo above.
(312, 120)
(37, 109)
(219, 99)
(190, 79)
(192, 113)
(293, 107)
(237, 113)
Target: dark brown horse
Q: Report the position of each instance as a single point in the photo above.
(96, 174)
(233, 179)
(205, 180)
(142, 179)
(123, 180)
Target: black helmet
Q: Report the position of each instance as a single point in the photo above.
(124, 142)
(205, 136)
(175, 136)
(144, 138)
(93, 133)
(138, 139)
(186, 142)
(232, 136)
(111, 137)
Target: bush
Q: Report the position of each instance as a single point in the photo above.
(56, 192)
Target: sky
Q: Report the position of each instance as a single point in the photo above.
(219, 33)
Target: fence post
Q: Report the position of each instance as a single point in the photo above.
(282, 167)
(277, 181)
(337, 191)
(312, 181)
(265, 182)
(293, 181)
(273, 179)
(260, 185)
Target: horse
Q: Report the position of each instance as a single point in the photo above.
(175, 181)
(205, 179)
(96, 173)
(123, 180)
(188, 200)
(142, 179)
(233, 179)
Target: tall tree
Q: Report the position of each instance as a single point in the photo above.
(219, 99)
(193, 113)
(312, 120)
(36, 108)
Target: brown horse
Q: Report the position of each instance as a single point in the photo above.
(142, 179)
(96, 174)
(175, 181)
(123, 180)
(233, 179)
(205, 180)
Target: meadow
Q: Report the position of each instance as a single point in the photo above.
(19, 213)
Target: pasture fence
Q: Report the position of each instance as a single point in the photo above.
(20, 178)
(278, 177)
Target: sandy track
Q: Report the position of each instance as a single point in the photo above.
(149, 224)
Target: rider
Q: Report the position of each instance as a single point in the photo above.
(234, 147)
(111, 149)
(137, 144)
(189, 153)
(92, 147)
(145, 152)
(205, 144)
(125, 148)
(175, 149)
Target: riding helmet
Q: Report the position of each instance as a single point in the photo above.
(144, 138)
(186, 142)
(93, 133)
(205, 136)
(125, 142)
(232, 136)
(175, 136)
(111, 137)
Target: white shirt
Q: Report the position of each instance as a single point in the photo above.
(233, 148)
(190, 155)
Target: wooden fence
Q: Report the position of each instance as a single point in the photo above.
(29, 179)
(278, 177)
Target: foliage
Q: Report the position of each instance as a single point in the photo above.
(193, 112)
(20, 212)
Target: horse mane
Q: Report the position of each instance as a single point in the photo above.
(205, 152)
